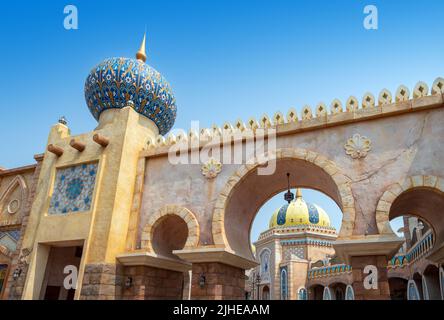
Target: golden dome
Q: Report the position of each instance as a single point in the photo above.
(298, 212)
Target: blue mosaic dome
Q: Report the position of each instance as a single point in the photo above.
(115, 81)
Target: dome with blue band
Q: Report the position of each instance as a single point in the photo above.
(115, 81)
(298, 212)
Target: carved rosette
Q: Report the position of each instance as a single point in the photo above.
(211, 168)
(357, 146)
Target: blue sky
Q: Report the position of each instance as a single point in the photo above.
(224, 59)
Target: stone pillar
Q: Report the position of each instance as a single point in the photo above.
(102, 281)
(358, 264)
(149, 283)
(222, 282)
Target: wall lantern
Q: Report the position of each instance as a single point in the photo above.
(202, 281)
(128, 282)
(17, 273)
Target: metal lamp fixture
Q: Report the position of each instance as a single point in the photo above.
(128, 282)
(202, 281)
(17, 273)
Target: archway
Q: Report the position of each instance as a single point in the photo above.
(316, 292)
(417, 279)
(246, 191)
(265, 293)
(156, 272)
(398, 288)
(169, 234)
(338, 290)
(420, 196)
(431, 283)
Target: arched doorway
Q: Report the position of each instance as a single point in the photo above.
(265, 293)
(417, 279)
(431, 283)
(316, 292)
(398, 288)
(338, 290)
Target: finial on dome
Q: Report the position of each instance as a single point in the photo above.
(141, 54)
(298, 193)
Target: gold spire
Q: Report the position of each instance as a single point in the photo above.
(298, 193)
(141, 54)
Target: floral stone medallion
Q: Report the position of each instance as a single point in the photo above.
(211, 168)
(357, 146)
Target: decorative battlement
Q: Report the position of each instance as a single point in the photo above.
(328, 271)
(312, 242)
(369, 108)
(416, 252)
(298, 229)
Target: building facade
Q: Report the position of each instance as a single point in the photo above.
(130, 210)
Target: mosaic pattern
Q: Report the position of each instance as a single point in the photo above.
(73, 189)
(291, 252)
(313, 215)
(265, 266)
(9, 239)
(281, 217)
(117, 80)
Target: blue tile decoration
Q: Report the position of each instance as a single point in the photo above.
(117, 80)
(313, 214)
(73, 189)
(281, 217)
(9, 239)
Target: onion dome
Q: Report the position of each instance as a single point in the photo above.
(115, 82)
(298, 212)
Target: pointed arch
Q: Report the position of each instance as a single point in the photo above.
(412, 291)
(349, 293)
(17, 182)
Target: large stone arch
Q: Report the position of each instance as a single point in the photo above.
(342, 195)
(395, 190)
(185, 214)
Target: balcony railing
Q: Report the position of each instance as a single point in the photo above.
(416, 252)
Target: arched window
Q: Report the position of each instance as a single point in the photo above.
(349, 293)
(265, 265)
(302, 294)
(441, 281)
(327, 294)
(284, 284)
(3, 271)
(412, 291)
(425, 290)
